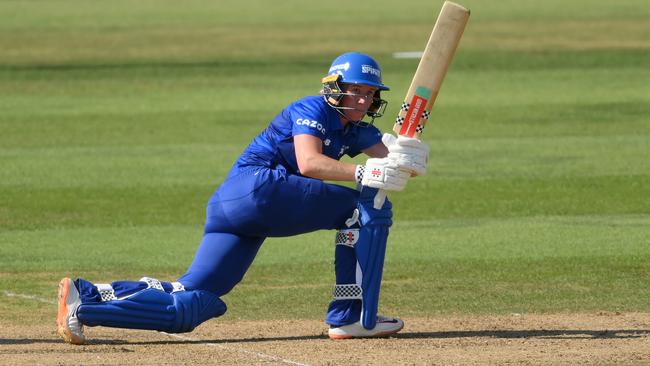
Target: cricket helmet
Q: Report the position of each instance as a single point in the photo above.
(357, 68)
(354, 68)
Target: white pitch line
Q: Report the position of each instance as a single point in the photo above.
(241, 350)
(408, 54)
(257, 354)
(29, 297)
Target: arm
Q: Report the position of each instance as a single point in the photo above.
(379, 150)
(312, 163)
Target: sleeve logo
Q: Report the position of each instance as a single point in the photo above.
(311, 123)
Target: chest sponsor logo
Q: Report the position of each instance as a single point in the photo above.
(311, 123)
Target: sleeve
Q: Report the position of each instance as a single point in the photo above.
(367, 136)
(308, 119)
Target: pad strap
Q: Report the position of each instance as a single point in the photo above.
(347, 292)
(156, 284)
(177, 286)
(106, 291)
(347, 237)
(152, 283)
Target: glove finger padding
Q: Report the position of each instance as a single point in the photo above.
(396, 179)
(413, 164)
(388, 139)
(411, 142)
(410, 154)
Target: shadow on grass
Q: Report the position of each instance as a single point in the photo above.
(504, 334)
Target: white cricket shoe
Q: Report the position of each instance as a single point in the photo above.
(385, 327)
(66, 320)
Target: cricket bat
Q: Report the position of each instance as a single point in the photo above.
(436, 58)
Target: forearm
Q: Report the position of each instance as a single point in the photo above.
(323, 167)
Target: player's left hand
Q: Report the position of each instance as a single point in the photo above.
(411, 154)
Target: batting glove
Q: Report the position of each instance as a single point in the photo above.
(410, 154)
(382, 173)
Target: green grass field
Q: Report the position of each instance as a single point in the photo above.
(119, 120)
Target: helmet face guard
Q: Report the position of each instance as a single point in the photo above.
(333, 94)
(377, 107)
(354, 68)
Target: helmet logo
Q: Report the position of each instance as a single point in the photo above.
(340, 67)
(368, 69)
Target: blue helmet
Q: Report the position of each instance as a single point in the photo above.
(357, 68)
(354, 68)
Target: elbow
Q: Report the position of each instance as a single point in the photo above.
(308, 168)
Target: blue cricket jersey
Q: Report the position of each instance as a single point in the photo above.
(313, 116)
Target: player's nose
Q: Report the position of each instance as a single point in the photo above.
(363, 99)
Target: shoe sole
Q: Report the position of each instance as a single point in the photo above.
(378, 335)
(62, 315)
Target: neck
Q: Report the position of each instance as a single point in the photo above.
(344, 120)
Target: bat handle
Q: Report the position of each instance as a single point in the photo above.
(380, 197)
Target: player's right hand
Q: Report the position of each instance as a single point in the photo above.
(411, 154)
(382, 173)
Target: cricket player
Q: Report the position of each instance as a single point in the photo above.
(275, 189)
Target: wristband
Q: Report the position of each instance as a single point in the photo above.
(358, 173)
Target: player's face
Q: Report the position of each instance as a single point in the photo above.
(359, 100)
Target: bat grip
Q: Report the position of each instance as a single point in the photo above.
(380, 197)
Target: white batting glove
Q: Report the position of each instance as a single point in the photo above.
(410, 154)
(382, 173)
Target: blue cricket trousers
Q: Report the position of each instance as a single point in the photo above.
(255, 203)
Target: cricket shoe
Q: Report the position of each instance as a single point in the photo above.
(67, 322)
(385, 327)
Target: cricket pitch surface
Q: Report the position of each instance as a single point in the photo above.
(561, 339)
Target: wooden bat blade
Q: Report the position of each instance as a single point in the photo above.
(431, 71)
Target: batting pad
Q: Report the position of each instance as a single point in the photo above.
(153, 309)
(370, 250)
(346, 305)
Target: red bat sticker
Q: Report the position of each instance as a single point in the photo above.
(412, 119)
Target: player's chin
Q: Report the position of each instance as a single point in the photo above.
(355, 115)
